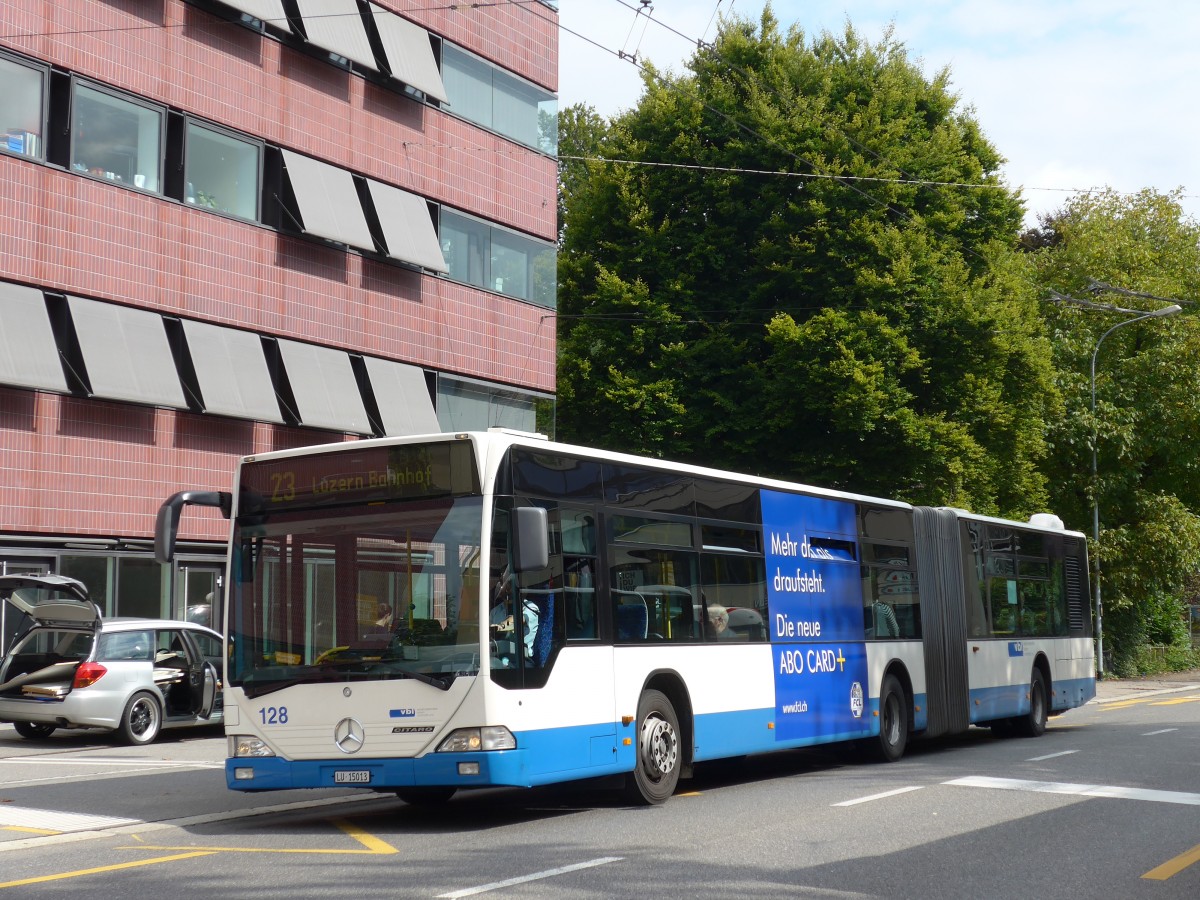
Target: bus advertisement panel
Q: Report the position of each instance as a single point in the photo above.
(815, 598)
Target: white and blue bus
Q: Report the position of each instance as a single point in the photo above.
(428, 614)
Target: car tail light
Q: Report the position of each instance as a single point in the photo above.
(87, 673)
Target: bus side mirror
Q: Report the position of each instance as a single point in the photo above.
(166, 524)
(531, 538)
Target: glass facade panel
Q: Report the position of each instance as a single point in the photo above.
(499, 260)
(468, 82)
(465, 248)
(139, 587)
(468, 406)
(222, 172)
(495, 99)
(116, 139)
(21, 106)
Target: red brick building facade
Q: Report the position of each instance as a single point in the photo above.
(264, 167)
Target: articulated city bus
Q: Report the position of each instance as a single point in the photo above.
(428, 614)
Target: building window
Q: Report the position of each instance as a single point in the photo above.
(464, 405)
(116, 139)
(497, 100)
(499, 260)
(222, 171)
(22, 108)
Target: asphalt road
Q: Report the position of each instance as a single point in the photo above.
(1103, 806)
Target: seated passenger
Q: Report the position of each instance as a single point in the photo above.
(718, 621)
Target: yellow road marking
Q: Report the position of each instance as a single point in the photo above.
(24, 830)
(1123, 704)
(374, 846)
(41, 879)
(1174, 866)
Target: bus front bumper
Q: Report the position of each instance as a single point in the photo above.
(459, 770)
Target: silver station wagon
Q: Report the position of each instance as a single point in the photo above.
(68, 667)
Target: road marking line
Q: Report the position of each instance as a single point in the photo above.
(1080, 790)
(375, 846)
(57, 822)
(1175, 702)
(1160, 731)
(1051, 755)
(372, 843)
(188, 821)
(1174, 866)
(536, 876)
(903, 790)
(42, 879)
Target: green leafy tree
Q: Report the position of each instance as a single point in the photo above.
(1147, 410)
(759, 271)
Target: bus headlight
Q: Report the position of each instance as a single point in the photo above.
(243, 745)
(489, 737)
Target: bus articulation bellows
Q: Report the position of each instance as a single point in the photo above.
(562, 613)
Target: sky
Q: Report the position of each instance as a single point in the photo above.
(1075, 95)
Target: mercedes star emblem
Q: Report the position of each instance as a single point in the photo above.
(348, 735)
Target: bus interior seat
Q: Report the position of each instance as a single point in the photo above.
(632, 617)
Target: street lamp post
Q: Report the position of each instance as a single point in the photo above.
(1155, 314)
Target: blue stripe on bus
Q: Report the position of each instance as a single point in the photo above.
(1009, 700)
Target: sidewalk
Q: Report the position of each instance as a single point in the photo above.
(1109, 690)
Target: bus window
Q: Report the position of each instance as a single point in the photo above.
(738, 585)
(654, 594)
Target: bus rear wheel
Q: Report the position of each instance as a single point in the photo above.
(893, 721)
(656, 771)
(1033, 724)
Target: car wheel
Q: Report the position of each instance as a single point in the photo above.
(34, 730)
(142, 719)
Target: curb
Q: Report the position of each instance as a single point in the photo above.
(1129, 693)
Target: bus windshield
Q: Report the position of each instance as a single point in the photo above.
(338, 579)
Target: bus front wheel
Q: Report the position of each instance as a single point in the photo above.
(425, 796)
(893, 721)
(656, 772)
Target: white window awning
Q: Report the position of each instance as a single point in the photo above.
(232, 372)
(328, 201)
(269, 11)
(402, 397)
(409, 53)
(325, 388)
(28, 353)
(335, 25)
(407, 227)
(126, 354)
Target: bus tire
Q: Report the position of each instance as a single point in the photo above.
(34, 730)
(1033, 723)
(425, 796)
(656, 769)
(893, 721)
(141, 720)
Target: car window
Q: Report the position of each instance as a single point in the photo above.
(170, 644)
(65, 645)
(209, 645)
(125, 645)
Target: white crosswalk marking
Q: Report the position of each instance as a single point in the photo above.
(60, 822)
(1079, 790)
